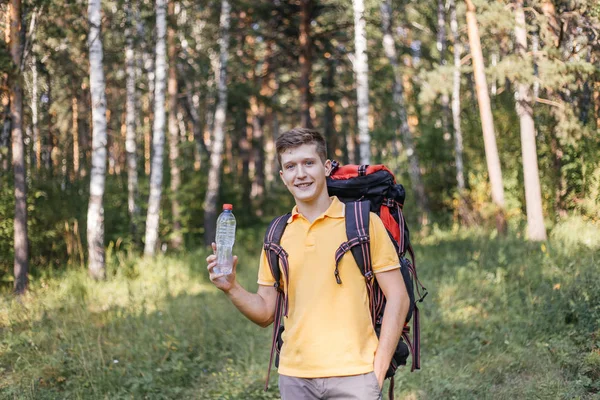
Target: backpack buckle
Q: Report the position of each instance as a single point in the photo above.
(275, 248)
(334, 165)
(337, 276)
(364, 239)
(369, 275)
(277, 287)
(389, 202)
(345, 247)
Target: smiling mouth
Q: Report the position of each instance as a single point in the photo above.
(303, 185)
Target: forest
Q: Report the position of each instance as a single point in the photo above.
(126, 124)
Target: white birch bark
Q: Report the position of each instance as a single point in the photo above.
(130, 120)
(361, 70)
(400, 108)
(536, 230)
(177, 235)
(458, 139)
(158, 132)
(95, 216)
(487, 119)
(214, 174)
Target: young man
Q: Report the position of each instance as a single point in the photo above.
(330, 348)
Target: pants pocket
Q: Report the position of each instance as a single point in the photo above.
(375, 382)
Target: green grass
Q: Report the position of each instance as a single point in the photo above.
(504, 319)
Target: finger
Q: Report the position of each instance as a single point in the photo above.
(214, 247)
(211, 266)
(211, 258)
(235, 261)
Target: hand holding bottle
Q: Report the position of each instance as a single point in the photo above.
(225, 282)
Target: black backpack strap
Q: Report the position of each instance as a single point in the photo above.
(276, 257)
(357, 227)
(357, 232)
(359, 243)
(272, 246)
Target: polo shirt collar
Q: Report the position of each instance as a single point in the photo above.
(335, 210)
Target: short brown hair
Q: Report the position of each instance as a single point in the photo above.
(297, 137)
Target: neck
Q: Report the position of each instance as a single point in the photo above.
(312, 210)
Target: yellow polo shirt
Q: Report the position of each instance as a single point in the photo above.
(328, 331)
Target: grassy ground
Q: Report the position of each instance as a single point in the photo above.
(504, 319)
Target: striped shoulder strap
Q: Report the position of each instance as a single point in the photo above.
(276, 257)
(272, 244)
(357, 231)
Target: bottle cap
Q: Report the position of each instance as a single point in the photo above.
(227, 207)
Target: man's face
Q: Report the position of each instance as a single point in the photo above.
(304, 173)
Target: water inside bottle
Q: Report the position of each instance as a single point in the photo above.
(225, 239)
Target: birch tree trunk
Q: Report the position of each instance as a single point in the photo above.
(21, 248)
(400, 108)
(361, 70)
(214, 174)
(158, 133)
(487, 120)
(536, 230)
(458, 139)
(306, 10)
(95, 216)
(130, 122)
(177, 236)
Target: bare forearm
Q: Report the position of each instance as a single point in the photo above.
(252, 305)
(391, 330)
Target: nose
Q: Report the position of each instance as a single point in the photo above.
(300, 172)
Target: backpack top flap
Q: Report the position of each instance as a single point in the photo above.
(357, 182)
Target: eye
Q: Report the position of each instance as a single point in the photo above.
(310, 162)
(289, 166)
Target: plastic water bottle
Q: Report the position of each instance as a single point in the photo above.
(225, 238)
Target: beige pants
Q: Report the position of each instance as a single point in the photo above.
(355, 387)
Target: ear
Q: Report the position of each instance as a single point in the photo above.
(281, 176)
(328, 167)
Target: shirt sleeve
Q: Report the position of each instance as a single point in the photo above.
(265, 277)
(383, 253)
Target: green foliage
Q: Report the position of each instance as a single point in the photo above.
(504, 319)
(163, 333)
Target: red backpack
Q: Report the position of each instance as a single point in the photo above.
(363, 189)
